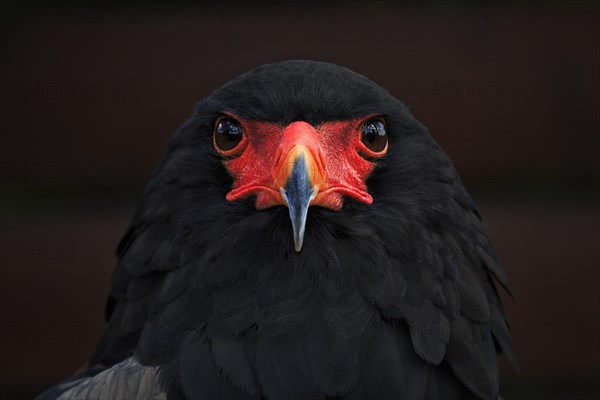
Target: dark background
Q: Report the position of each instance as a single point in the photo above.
(90, 95)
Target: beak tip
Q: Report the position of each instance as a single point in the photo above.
(298, 194)
(299, 238)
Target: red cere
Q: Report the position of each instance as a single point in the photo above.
(263, 160)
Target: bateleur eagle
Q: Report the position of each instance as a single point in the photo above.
(303, 238)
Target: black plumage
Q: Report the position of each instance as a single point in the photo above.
(390, 300)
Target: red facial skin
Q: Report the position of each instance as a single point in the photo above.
(262, 161)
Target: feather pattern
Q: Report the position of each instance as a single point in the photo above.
(124, 380)
(390, 300)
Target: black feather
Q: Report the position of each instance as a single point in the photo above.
(390, 300)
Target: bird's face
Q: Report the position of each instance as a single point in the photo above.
(292, 146)
(298, 164)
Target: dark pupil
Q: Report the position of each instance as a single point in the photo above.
(374, 136)
(228, 134)
(229, 128)
(373, 130)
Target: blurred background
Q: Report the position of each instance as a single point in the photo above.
(91, 93)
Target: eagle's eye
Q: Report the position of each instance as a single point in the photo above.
(374, 135)
(228, 134)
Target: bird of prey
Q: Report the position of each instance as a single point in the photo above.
(303, 238)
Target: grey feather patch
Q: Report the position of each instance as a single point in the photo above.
(125, 380)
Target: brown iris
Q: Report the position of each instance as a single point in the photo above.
(374, 135)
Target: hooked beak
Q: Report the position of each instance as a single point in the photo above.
(299, 174)
(298, 192)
